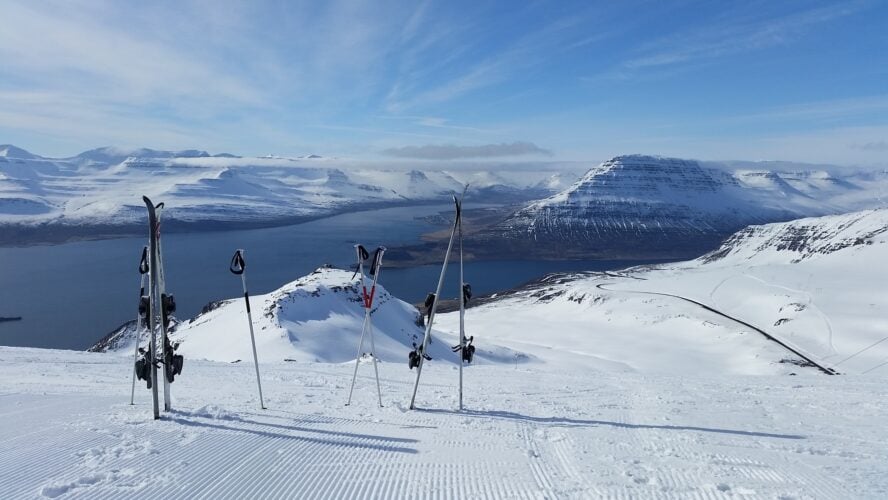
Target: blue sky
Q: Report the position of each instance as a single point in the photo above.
(512, 80)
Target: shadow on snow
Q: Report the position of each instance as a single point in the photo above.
(569, 422)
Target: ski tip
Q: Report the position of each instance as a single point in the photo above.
(147, 200)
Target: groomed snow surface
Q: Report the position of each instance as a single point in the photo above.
(531, 431)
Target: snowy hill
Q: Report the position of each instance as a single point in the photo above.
(652, 207)
(316, 318)
(802, 239)
(99, 191)
(112, 155)
(815, 284)
(8, 151)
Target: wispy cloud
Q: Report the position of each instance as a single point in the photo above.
(453, 152)
(73, 51)
(526, 51)
(733, 35)
(827, 110)
(875, 146)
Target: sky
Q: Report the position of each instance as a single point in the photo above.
(450, 80)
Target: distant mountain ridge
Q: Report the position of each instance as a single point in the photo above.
(99, 191)
(638, 206)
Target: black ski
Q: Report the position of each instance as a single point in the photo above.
(153, 230)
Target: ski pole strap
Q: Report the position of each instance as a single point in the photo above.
(377, 260)
(143, 263)
(467, 292)
(363, 254)
(458, 204)
(237, 263)
(430, 303)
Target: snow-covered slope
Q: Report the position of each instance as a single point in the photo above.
(654, 207)
(815, 284)
(68, 431)
(100, 190)
(812, 284)
(316, 318)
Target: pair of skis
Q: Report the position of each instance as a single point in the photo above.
(155, 309)
(367, 326)
(419, 355)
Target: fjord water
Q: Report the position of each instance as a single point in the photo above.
(72, 294)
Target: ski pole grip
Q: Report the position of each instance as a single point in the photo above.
(377, 260)
(143, 263)
(237, 262)
(363, 254)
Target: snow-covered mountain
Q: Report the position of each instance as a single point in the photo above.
(815, 284)
(100, 191)
(316, 318)
(652, 207)
(802, 239)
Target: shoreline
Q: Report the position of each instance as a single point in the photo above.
(57, 233)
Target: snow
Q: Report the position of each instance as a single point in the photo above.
(538, 431)
(104, 186)
(589, 385)
(666, 204)
(816, 284)
(316, 318)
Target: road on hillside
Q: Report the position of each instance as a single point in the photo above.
(828, 371)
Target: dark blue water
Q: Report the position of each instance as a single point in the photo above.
(72, 294)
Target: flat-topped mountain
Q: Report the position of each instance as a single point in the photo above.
(653, 207)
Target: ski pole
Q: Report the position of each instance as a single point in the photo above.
(376, 270)
(238, 267)
(367, 327)
(143, 269)
(362, 254)
(462, 314)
